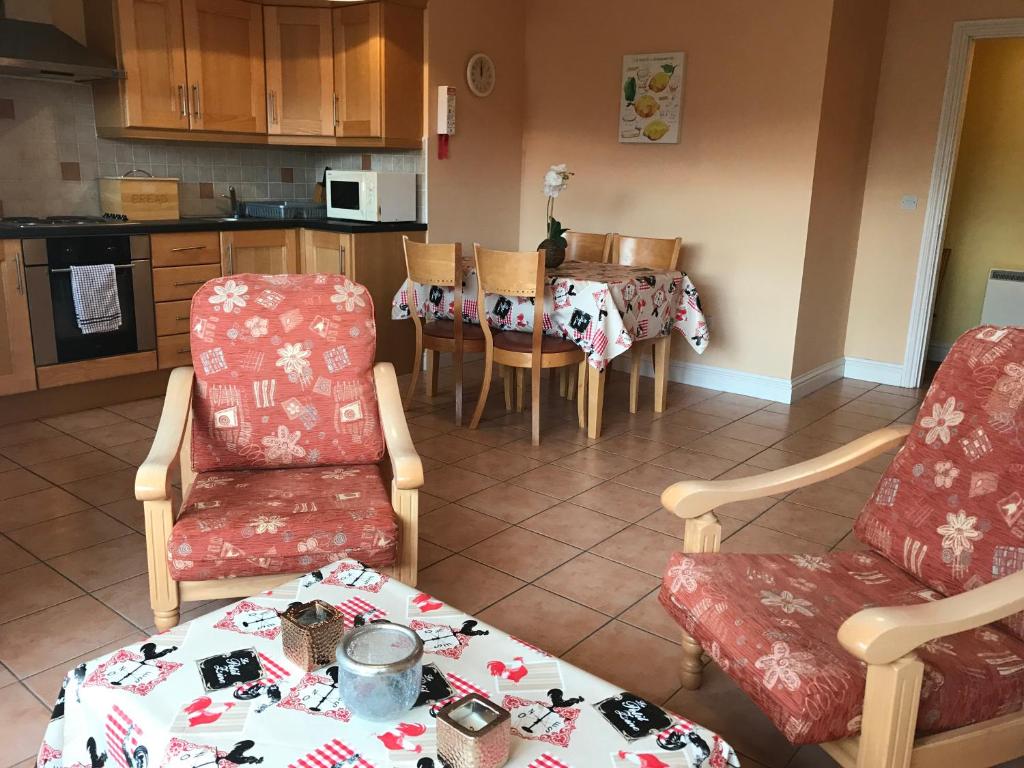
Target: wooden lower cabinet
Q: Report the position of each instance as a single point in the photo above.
(173, 351)
(261, 251)
(323, 251)
(17, 365)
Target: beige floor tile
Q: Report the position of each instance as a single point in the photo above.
(811, 757)
(641, 548)
(652, 478)
(448, 448)
(887, 398)
(73, 423)
(618, 500)
(826, 430)
(453, 483)
(555, 481)
(139, 409)
(724, 407)
(130, 598)
(428, 502)
(53, 636)
(13, 557)
(17, 482)
(598, 583)
(878, 410)
(806, 522)
(25, 431)
(103, 564)
(602, 654)
(701, 422)
(456, 527)
(104, 489)
(47, 449)
(510, 503)
(38, 506)
(46, 684)
(665, 522)
(841, 501)
(110, 435)
(719, 704)
(808, 446)
(575, 525)
(430, 553)
(756, 539)
(783, 422)
(32, 589)
(856, 420)
(498, 463)
(850, 543)
(22, 722)
(863, 481)
(752, 433)
(665, 431)
(131, 513)
(745, 510)
(521, 553)
(466, 584)
(420, 433)
(544, 619)
(633, 447)
(649, 615)
(68, 534)
(67, 470)
(6, 677)
(773, 458)
(549, 449)
(701, 465)
(598, 463)
(726, 447)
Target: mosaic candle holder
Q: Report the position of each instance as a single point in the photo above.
(310, 633)
(473, 732)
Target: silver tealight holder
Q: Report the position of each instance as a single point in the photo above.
(473, 732)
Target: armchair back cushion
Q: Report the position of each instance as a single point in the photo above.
(283, 373)
(950, 508)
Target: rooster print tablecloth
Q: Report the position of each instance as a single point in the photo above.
(147, 705)
(603, 308)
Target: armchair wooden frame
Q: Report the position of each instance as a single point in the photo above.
(883, 638)
(441, 265)
(511, 273)
(660, 254)
(172, 448)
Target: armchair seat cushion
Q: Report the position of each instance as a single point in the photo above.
(259, 522)
(770, 622)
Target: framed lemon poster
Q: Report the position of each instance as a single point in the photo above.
(651, 97)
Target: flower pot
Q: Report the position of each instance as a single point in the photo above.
(554, 253)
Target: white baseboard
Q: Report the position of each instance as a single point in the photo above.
(873, 370)
(937, 352)
(815, 379)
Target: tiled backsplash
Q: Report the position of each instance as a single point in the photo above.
(50, 158)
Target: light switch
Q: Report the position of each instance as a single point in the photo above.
(908, 202)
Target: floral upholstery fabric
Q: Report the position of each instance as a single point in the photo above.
(950, 508)
(255, 522)
(770, 622)
(283, 373)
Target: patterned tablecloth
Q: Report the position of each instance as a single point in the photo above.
(604, 308)
(146, 705)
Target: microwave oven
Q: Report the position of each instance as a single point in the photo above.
(371, 195)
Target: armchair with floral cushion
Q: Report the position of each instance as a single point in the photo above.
(910, 653)
(292, 445)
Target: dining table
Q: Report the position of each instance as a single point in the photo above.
(605, 309)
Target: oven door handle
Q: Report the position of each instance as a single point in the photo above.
(66, 270)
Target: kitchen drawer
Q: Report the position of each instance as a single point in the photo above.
(173, 351)
(172, 317)
(182, 249)
(174, 283)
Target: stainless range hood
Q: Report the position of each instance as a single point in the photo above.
(41, 51)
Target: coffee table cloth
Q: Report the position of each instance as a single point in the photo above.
(603, 308)
(145, 705)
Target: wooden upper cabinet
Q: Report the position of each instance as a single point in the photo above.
(300, 71)
(17, 366)
(357, 70)
(224, 59)
(153, 55)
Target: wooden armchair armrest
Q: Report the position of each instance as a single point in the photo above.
(692, 498)
(406, 467)
(883, 635)
(153, 481)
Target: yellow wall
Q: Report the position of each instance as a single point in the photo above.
(985, 228)
(910, 93)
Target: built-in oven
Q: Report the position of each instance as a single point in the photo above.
(56, 337)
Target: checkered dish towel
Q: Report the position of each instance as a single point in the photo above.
(94, 289)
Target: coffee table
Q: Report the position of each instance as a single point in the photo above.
(146, 704)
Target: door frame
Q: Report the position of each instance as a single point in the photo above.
(965, 33)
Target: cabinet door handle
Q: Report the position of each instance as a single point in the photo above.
(184, 350)
(179, 318)
(196, 110)
(344, 266)
(273, 105)
(231, 258)
(188, 248)
(188, 282)
(183, 100)
(335, 110)
(19, 282)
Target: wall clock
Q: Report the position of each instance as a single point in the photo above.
(480, 74)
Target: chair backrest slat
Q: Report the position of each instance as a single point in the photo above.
(588, 246)
(650, 252)
(509, 273)
(431, 263)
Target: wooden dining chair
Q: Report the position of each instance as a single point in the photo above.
(587, 246)
(660, 254)
(439, 264)
(518, 277)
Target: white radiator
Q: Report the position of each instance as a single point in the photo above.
(1004, 298)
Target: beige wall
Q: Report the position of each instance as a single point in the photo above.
(847, 114)
(474, 195)
(985, 229)
(902, 153)
(736, 188)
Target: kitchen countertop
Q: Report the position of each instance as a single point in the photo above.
(205, 224)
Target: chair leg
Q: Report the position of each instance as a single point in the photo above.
(595, 402)
(581, 395)
(520, 388)
(634, 379)
(433, 360)
(691, 670)
(163, 590)
(891, 700)
(417, 363)
(510, 386)
(485, 389)
(570, 389)
(534, 403)
(458, 385)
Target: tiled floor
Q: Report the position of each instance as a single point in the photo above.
(560, 544)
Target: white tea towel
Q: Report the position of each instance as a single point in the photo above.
(94, 289)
